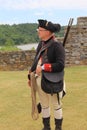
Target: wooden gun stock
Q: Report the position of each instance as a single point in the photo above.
(67, 31)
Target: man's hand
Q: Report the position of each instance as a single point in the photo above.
(29, 83)
(38, 70)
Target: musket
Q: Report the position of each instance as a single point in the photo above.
(67, 31)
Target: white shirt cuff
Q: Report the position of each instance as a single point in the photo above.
(42, 67)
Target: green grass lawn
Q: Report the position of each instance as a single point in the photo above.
(15, 101)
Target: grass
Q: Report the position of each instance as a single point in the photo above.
(9, 48)
(15, 101)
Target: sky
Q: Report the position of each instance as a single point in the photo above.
(29, 11)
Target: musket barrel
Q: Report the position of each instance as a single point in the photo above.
(67, 31)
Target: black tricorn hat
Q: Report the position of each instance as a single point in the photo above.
(49, 25)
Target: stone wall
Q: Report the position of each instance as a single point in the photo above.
(76, 46)
(17, 60)
(76, 50)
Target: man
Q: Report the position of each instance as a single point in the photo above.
(55, 61)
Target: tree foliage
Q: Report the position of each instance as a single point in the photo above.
(20, 34)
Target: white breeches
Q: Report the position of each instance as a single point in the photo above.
(45, 102)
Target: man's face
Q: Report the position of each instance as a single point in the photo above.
(43, 33)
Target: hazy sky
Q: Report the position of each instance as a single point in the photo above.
(29, 11)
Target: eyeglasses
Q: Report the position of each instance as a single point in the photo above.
(41, 30)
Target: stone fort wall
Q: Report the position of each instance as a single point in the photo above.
(76, 50)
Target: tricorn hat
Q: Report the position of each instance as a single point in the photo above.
(49, 25)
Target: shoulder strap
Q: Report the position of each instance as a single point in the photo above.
(39, 53)
(43, 48)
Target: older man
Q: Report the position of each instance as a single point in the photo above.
(52, 59)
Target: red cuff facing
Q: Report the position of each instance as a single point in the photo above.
(47, 67)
